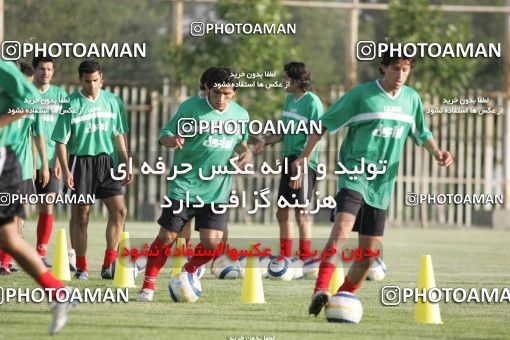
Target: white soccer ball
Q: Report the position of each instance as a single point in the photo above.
(185, 287)
(224, 268)
(280, 269)
(311, 269)
(141, 263)
(344, 307)
(297, 264)
(262, 264)
(377, 270)
(132, 266)
(201, 271)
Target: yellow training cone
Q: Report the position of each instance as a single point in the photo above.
(426, 312)
(178, 261)
(336, 280)
(253, 291)
(124, 270)
(60, 267)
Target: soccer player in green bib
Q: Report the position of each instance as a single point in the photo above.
(14, 89)
(28, 128)
(88, 130)
(379, 115)
(300, 105)
(203, 152)
(52, 98)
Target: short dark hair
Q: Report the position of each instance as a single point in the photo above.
(203, 77)
(387, 60)
(37, 60)
(298, 71)
(89, 66)
(221, 75)
(25, 68)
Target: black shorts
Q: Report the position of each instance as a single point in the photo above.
(370, 221)
(205, 218)
(92, 176)
(10, 180)
(27, 187)
(307, 188)
(51, 187)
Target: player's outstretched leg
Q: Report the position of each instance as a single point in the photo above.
(164, 239)
(342, 226)
(359, 269)
(30, 261)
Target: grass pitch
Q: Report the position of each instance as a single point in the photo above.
(461, 258)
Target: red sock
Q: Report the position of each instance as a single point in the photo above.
(44, 228)
(196, 261)
(81, 264)
(347, 286)
(47, 280)
(286, 247)
(6, 259)
(304, 248)
(154, 264)
(326, 270)
(109, 256)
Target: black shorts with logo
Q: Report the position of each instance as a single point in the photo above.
(10, 181)
(370, 221)
(307, 188)
(205, 218)
(51, 187)
(92, 176)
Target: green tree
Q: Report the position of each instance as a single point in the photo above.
(95, 21)
(241, 52)
(412, 21)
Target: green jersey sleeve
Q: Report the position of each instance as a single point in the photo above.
(62, 130)
(340, 113)
(419, 131)
(123, 116)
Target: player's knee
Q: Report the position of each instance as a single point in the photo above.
(166, 237)
(81, 219)
(120, 214)
(301, 218)
(210, 243)
(282, 215)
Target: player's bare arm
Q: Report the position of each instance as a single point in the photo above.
(245, 155)
(443, 157)
(123, 155)
(62, 158)
(267, 140)
(172, 142)
(8, 118)
(312, 142)
(40, 144)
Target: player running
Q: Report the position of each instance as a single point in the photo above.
(89, 130)
(203, 152)
(300, 105)
(379, 116)
(52, 98)
(14, 89)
